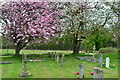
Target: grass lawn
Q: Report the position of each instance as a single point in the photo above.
(51, 69)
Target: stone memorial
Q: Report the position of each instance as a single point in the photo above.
(25, 72)
(62, 60)
(94, 48)
(81, 68)
(57, 58)
(98, 74)
(53, 54)
(107, 62)
(100, 60)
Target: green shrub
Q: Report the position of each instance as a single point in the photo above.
(108, 50)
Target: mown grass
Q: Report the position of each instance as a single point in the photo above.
(51, 69)
(12, 51)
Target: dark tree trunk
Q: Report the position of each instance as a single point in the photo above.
(76, 47)
(18, 47)
(97, 43)
(17, 51)
(118, 42)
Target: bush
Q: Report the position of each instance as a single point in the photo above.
(108, 50)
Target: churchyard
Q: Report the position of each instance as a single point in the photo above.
(49, 68)
(45, 39)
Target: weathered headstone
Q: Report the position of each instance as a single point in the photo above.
(25, 72)
(62, 60)
(57, 58)
(81, 68)
(98, 74)
(100, 60)
(107, 62)
(51, 54)
(94, 48)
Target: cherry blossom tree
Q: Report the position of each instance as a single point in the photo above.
(23, 22)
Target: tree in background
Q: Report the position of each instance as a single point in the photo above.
(115, 7)
(86, 19)
(101, 38)
(75, 17)
(23, 22)
(104, 19)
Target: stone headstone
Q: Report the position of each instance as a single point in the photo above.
(52, 55)
(107, 62)
(81, 68)
(98, 74)
(100, 60)
(57, 58)
(25, 72)
(94, 48)
(62, 61)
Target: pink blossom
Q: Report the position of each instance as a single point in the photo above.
(57, 42)
(31, 19)
(53, 27)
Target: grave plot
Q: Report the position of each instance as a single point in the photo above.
(25, 73)
(6, 62)
(92, 59)
(56, 57)
(53, 54)
(98, 74)
(34, 58)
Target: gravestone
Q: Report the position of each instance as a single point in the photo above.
(57, 58)
(51, 54)
(100, 60)
(107, 62)
(62, 60)
(25, 72)
(81, 68)
(94, 48)
(98, 74)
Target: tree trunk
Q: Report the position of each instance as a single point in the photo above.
(76, 47)
(97, 45)
(17, 51)
(118, 42)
